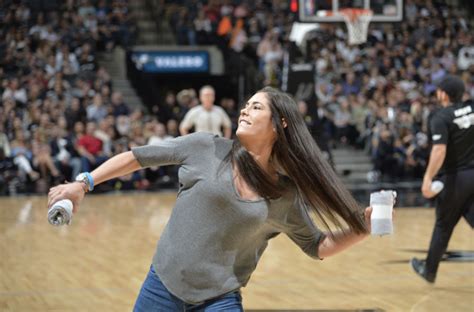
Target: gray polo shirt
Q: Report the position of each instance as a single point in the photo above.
(214, 239)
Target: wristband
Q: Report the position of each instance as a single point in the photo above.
(87, 179)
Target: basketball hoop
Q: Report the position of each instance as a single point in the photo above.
(357, 21)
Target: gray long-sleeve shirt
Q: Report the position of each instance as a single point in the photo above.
(214, 238)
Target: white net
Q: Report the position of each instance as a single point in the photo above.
(357, 21)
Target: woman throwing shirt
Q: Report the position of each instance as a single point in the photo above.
(234, 196)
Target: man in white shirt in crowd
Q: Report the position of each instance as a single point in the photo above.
(207, 117)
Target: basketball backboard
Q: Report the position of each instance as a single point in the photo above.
(324, 11)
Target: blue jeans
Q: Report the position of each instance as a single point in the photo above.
(154, 296)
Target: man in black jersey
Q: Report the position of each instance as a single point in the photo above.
(451, 162)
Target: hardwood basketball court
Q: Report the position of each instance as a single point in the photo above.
(99, 262)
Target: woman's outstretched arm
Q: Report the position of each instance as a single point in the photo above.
(116, 166)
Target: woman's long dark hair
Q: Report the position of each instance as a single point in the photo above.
(296, 152)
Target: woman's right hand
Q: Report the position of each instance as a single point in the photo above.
(74, 191)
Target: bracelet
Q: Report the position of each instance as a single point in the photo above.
(84, 186)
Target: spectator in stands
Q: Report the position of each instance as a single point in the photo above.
(270, 53)
(104, 133)
(4, 142)
(351, 85)
(23, 156)
(418, 154)
(85, 8)
(64, 154)
(229, 106)
(75, 113)
(159, 135)
(97, 110)
(15, 92)
(186, 100)
(160, 174)
(87, 60)
(346, 133)
(206, 117)
(66, 61)
(203, 27)
(385, 159)
(123, 125)
(172, 128)
(90, 148)
(8, 174)
(149, 127)
(42, 156)
(172, 108)
(118, 105)
(136, 136)
(238, 38)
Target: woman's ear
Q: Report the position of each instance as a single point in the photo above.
(284, 124)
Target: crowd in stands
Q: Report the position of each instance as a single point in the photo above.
(58, 108)
(60, 113)
(382, 95)
(376, 96)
